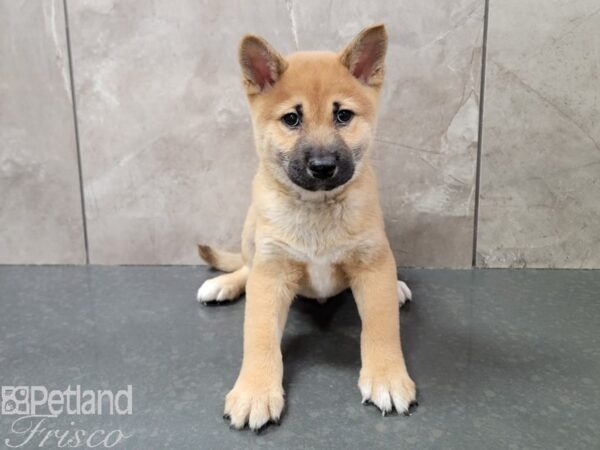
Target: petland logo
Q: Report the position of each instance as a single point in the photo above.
(36, 406)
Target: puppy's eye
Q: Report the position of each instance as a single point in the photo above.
(343, 116)
(292, 120)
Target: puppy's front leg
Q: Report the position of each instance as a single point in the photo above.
(383, 377)
(257, 396)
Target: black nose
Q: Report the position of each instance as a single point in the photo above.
(322, 167)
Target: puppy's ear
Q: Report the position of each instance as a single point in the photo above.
(365, 54)
(261, 64)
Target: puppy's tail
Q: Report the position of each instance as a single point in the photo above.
(220, 259)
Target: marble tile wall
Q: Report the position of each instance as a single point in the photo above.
(166, 140)
(40, 204)
(540, 166)
(166, 144)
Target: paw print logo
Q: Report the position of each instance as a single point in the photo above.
(15, 400)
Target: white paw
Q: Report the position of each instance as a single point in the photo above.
(404, 293)
(392, 389)
(253, 404)
(214, 290)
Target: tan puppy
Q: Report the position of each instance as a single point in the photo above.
(315, 226)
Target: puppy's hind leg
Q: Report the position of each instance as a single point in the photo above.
(224, 287)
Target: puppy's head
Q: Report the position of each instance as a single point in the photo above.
(314, 113)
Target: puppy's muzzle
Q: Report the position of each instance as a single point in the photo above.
(320, 168)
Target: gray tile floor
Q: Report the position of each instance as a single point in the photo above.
(502, 359)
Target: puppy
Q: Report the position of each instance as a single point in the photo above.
(315, 226)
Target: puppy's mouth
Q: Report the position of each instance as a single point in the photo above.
(320, 168)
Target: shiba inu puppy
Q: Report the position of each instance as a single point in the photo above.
(315, 226)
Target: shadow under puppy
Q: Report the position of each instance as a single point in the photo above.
(315, 226)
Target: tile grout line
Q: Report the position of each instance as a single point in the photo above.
(480, 130)
(77, 143)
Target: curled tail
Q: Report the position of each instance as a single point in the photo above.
(220, 259)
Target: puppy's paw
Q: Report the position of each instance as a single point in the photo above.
(216, 290)
(388, 389)
(404, 293)
(254, 404)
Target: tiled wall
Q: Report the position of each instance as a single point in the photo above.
(40, 201)
(164, 147)
(539, 203)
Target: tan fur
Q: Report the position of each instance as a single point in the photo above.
(292, 234)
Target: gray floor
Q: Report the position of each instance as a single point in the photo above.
(502, 359)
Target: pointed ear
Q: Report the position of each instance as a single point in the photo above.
(261, 64)
(365, 54)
